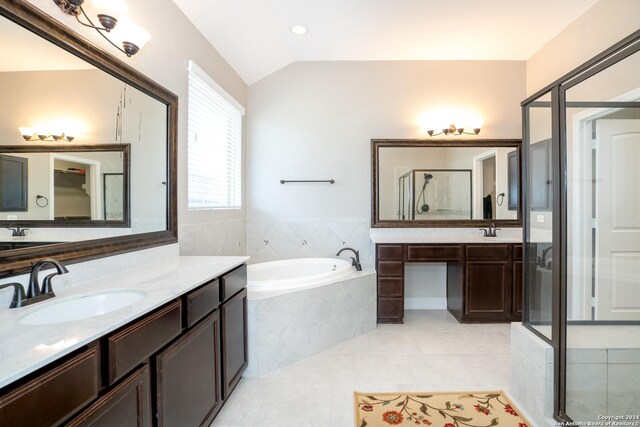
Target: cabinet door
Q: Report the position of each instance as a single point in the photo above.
(516, 304)
(188, 377)
(488, 291)
(234, 341)
(126, 405)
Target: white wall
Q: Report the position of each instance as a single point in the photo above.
(605, 23)
(316, 119)
(164, 59)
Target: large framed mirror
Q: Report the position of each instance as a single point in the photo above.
(445, 183)
(87, 148)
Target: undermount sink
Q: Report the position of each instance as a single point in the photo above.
(82, 307)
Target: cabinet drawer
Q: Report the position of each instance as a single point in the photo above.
(390, 286)
(427, 253)
(202, 301)
(126, 405)
(389, 252)
(233, 282)
(488, 252)
(50, 398)
(390, 268)
(134, 344)
(390, 310)
(517, 252)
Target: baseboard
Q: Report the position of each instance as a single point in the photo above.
(425, 303)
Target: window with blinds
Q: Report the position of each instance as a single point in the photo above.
(214, 145)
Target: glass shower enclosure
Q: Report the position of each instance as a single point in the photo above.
(582, 232)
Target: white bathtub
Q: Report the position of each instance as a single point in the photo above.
(270, 279)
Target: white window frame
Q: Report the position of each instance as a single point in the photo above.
(234, 198)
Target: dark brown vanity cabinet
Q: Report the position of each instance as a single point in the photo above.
(487, 285)
(189, 377)
(233, 315)
(484, 281)
(126, 405)
(390, 269)
(54, 393)
(172, 367)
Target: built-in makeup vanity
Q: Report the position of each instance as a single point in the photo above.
(429, 200)
(484, 280)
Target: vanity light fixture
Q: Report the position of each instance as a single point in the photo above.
(453, 130)
(30, 135)
(130, 36)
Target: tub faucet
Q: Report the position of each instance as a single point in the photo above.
(354, 261)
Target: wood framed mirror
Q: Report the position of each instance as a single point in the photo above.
(103, 94)
(445, 183)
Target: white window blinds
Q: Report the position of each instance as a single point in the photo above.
(215, 144)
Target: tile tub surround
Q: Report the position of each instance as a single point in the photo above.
(286, 238)
(218, 238)
(287, 328)
(431, 351)
(27, 348)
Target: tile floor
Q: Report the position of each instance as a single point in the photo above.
(430, 352)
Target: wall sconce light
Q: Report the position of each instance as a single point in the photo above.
(30, 135)
(453, 130)
(131, 36)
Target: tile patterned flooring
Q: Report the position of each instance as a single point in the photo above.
(430, 352)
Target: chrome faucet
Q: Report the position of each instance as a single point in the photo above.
(354, 261)
(35, 293)
(490, 231)
(17, 231)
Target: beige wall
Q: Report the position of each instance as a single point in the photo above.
(605, 23)
(164, 59)
(315, 120)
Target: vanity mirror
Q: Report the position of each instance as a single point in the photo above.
(87, 147)
(445, 183)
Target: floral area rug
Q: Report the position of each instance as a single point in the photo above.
(463, 409)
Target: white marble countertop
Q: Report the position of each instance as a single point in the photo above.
(24, 348)
(443, 235)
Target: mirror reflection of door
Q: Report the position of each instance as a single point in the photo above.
(13, 183)
(74, 192)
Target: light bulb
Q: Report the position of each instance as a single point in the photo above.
(26, 133)
(131, 36)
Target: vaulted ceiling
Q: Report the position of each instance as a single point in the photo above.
(254, 35)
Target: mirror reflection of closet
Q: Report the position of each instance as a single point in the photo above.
(72, 190)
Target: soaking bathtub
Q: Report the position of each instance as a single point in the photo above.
(270, 279)
(300, 307)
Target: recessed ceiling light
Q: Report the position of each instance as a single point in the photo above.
(299, 30)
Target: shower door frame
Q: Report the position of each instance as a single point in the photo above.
(614, 54)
